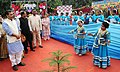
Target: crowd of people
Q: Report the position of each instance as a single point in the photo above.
(95, 16)
(19, 33)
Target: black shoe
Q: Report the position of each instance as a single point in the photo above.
(26, 52)
(15, 68)
(1, 59)
(23, 57)
(33, 50)
(21, 64)
(40, 46)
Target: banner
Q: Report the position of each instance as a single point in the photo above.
(64, 9)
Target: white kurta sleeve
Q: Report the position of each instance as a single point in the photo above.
(29, 25)
(40, 23)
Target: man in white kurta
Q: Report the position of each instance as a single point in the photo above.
(36, 26)
(15, 47)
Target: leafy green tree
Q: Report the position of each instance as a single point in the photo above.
(4, 5)
(59, 60)
(77, 3)
(54, 3)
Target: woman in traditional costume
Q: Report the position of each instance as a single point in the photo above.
(80, 41)
(3, 42)
(46, 27)
(100, 49)
(100, 16)
(113, 18)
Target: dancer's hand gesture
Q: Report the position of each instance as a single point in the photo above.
(90, 34)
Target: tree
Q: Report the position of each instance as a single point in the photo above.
(89, 2)
(69, 2)
(58, 60)
(4, 5)
(77, 3)
(54, 3)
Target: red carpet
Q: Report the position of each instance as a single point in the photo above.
(34, 64)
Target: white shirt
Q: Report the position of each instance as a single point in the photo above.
(35, 22)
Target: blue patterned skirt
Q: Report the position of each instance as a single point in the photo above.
(101, 56)
(80, 46)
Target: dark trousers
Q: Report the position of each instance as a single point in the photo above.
(28, 40)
